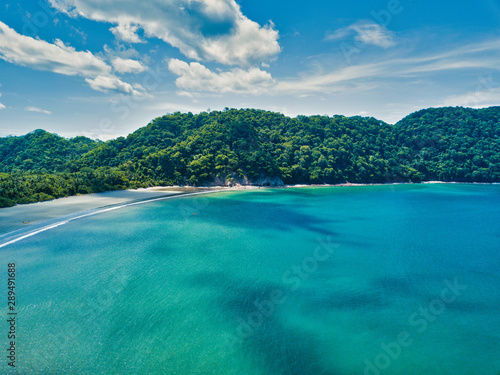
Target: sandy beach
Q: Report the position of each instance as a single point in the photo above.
(29, 215)
(24, 216)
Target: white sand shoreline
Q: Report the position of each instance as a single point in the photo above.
(27, 216)
(33, 216)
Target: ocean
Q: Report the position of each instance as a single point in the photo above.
(390, 279)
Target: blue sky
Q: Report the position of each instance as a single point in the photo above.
(103, 68)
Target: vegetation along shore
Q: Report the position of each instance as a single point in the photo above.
(255, 147)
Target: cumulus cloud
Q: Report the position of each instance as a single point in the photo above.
(127, 65)
(54, 57)
(366, 32)
(38, 110)
(197, 77)
(2, 106)
(211, 30)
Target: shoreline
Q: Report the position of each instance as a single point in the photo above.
(24, 217)
(21, 219)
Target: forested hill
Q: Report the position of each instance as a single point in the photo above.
(451, 144)
(259, 147)
(42, 151)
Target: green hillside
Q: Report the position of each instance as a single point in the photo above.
(41, 151)
(451, 144)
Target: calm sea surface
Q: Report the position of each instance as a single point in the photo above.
(401, 279)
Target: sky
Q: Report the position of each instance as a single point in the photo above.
(104, 68)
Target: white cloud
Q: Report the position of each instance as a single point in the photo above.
(2, 106)
(212, 30)
(127, 65)
(109, 83)
(486, 94)
(366, 32)
(475, 57)
(127, 33)
(330, 82)
(38, 110)
(57, 57)
(197, 77)
(41, 55)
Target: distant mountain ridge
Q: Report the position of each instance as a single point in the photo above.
(249, 146)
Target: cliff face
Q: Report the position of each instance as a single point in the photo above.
(235, 181)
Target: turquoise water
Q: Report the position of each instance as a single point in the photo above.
(400, 279)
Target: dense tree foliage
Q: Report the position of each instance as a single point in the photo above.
(41, 151)
(451, 144)
(33, 187)
(254, 146)
(250, 145)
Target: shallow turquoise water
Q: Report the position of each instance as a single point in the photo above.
(272, 281)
